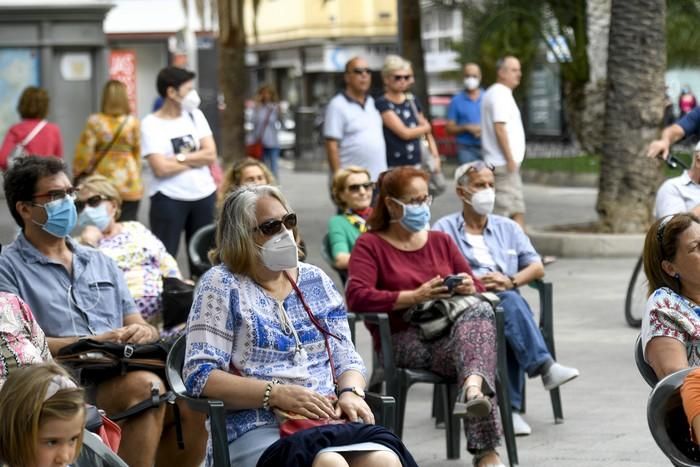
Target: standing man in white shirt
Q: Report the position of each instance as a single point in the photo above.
(503, 139)
(353, 125)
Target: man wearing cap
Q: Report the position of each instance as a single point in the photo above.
(503, 258)
(682, 193)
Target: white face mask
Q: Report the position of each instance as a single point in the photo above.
(280, 252)
(471, 83)
(483, 201)
(191, 101)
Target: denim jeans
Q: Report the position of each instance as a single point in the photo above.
(467, 153)
(526, 349)
(270, 158)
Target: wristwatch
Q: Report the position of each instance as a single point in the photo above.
(513, 281)
(181, 157)
(359, 392)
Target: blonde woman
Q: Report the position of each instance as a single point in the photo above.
(404, 123)
(110, 146)
(248, 171)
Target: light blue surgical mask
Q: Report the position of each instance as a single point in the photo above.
(415, 217)
(61, 217)
(99, 217)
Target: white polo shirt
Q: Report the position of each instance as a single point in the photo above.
(677, 194)
(358, 130)
(498, 106)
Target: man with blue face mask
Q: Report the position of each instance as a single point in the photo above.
(503, 258)
(77, 292)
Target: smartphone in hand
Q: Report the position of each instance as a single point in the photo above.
(451, 282)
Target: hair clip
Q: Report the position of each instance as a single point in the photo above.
(58, 383)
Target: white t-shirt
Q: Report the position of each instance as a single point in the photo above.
(498, 106)
(481, 252)
(170, 137)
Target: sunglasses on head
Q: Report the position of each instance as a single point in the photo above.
(479, 165)
(274, 226)
(355, 187)
(361, 71)
(92, 201)
(402, 77)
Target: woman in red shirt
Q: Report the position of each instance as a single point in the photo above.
(33, 107)
(400, 263)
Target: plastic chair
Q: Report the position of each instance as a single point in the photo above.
(383, 407)
(668, 423)
(201, 242)
(328, 258)
(644, 368)
(398, 380)
(94, 453)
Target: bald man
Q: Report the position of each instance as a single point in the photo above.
(464, 116)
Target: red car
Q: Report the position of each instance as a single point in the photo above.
(447, 145)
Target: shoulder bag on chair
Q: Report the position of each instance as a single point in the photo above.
(91, 168)
(255, 149)
(21, 149)
(92, 355)
(437, 183)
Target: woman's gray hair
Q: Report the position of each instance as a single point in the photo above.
(235, 246)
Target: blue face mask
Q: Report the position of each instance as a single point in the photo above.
(62, 217)
(99, 217)
(416, 217)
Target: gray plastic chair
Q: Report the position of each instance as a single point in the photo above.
(201, 242)
(644, 368)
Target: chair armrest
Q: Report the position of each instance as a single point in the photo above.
(546, 293)
(382, 321)
(352, 320)
(384, 409)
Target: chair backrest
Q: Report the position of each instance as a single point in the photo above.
(95, 453)
(668, 423)
(644, 368)
(328, 257)
(173, 367)
(201, 242)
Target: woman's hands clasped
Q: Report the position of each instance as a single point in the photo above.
(298, 399)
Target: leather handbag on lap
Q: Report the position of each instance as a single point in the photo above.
(92, 355)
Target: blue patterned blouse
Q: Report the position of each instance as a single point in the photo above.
(236, 326)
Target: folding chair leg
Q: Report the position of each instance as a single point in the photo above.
(401, 406)
(438, 406)
(218, 434)
(507, 421)
(555, 395)
(452, 423)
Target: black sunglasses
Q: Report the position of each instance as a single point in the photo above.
(92, 201)
(361, 71)
(274, 226)
(402, 77)
(355, 187)
(479, 165)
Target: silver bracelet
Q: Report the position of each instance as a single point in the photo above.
(268, 391)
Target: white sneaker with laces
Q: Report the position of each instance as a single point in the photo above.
(520, 426)
(558, 375)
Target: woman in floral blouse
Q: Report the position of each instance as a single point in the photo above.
(137, 252)
(117, 159)
(22, 342)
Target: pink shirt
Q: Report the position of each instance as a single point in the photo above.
(47, 142)
(378, 272)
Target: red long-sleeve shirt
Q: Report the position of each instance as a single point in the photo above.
(378, 272)
(47, 142)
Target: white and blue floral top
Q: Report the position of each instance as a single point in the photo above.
(236, 326)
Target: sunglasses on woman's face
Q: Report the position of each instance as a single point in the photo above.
(402, 77)
(274, 226)
(355, 187)
(92, 201)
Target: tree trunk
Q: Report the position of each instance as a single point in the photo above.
(233, 79)
(634, 108)
(412, 48)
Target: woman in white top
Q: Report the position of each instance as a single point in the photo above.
(177, 143)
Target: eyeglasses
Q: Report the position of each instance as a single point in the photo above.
(92, 201)
(417, 201)
(355, 187)
(274, 226)
(54, 195)
(402, 77)
(361, 71)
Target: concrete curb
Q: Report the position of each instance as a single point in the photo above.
(560, 178)
(586, 245)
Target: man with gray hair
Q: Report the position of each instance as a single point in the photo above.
(503, 139)
(502, 257)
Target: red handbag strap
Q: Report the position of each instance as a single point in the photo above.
(318, 325)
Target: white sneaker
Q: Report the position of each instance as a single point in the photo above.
(558, 375)
(520, 426)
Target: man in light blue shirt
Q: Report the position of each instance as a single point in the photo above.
(77, 292)
(503, 258)
(464, 116)
(682, 193)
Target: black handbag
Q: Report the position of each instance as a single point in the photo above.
(177, 300)
(109, 357)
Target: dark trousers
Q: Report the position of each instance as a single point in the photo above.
(168, 218)
(130, 211)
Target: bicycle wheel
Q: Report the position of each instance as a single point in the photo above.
(636, 298)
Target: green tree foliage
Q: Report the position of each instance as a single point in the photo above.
(682, 33)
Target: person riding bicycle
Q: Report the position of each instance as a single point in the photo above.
(689, 124)
(682, 193)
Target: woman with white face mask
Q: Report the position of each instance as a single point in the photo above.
(268, 333)
(177, 143)
(137, 252)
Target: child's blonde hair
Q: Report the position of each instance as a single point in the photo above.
(29, 398)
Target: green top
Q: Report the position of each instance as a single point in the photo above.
(342, 235)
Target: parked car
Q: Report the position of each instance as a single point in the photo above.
(285, 128)
(447, 145)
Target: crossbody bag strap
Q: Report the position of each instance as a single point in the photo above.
(326, 333)
(104, 152)
(412, 102)
(264, 125)
(35, 131)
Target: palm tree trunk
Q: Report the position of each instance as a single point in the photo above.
(412, 48)
(634, 108)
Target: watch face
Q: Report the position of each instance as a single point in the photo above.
(359, 391)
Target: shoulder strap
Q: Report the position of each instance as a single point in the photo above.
(264, 125)
(104, 152)
(35, 131)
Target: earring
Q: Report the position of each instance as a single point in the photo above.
(678, 280)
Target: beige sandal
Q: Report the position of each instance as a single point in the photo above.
(478, 405)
